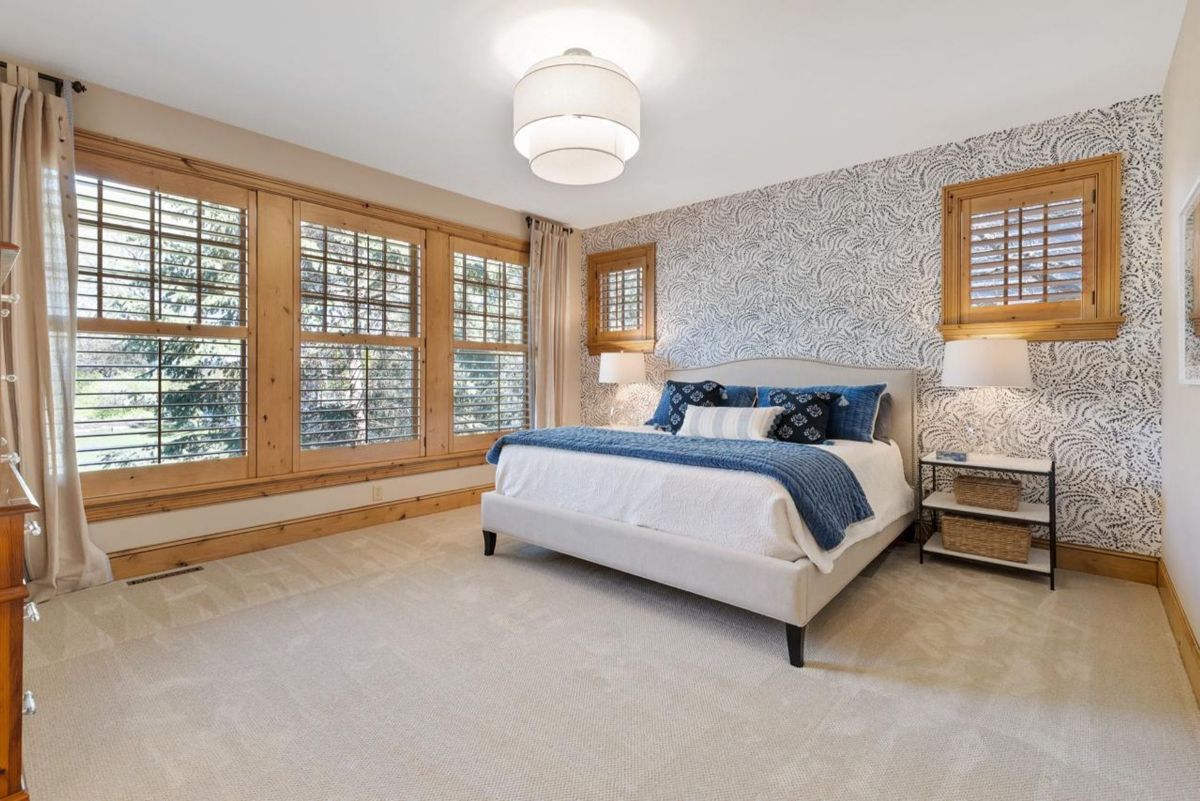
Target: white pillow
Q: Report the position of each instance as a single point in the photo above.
(729, 422)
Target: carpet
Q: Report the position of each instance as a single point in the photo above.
(397, 662)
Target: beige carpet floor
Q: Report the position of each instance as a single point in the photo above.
(398, 663)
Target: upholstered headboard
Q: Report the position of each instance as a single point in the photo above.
(901, 383)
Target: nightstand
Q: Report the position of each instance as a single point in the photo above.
(931, 503)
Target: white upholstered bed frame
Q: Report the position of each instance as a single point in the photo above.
(792, 592)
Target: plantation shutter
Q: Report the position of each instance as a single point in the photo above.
(161, 353)
(621, 299)
(1030, 253)
(490, 328)
(360, 338)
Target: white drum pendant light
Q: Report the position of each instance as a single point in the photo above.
(577, 118)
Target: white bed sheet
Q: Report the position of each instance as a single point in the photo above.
(746, 511)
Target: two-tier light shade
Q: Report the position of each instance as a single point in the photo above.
(986, 363)
(577, 118)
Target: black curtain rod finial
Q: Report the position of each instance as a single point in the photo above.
(529, 224)
(59, 83)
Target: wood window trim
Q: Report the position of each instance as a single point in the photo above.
(357, 454)
(1101, 320)
(269, 467)
(599, 264)
(467, 443)
(151, 478)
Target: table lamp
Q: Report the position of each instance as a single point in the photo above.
(621, 368)
(984, 363)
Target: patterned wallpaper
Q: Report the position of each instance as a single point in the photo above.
(846, 267)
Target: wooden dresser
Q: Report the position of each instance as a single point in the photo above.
(15, 503)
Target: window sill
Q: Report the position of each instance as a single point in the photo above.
(631, 345)
(115, 507)
(1037, 330)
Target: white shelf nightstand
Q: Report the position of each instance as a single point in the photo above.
(931, 502)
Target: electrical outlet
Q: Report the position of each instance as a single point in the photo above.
(376, 492)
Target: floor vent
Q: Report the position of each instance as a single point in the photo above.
(169, 574)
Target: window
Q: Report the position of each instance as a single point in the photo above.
(621, 300)
(1035, 254)
(242, 336)
(162, 352)
(490, 329)
(360, 338)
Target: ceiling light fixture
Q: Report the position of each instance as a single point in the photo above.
(577, 118)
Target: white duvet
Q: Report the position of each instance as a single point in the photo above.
(746, 511)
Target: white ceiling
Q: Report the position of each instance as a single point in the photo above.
(735, 95)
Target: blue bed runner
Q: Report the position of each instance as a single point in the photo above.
(826, 492)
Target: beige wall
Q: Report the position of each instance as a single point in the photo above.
(1181, 404)
(117, 114)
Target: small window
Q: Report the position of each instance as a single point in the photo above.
(621, 300)
(360, 345)
(161, 354)
(490, 327)
(1034, 255)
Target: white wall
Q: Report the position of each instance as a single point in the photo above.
(107, 111)
(1181, 404)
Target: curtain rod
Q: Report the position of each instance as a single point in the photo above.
(76, 86)
(529, 222)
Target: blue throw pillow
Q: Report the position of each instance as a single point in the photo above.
(806, 415)
(853, 414)
(740, 395)
(735, 396)
(678, 395)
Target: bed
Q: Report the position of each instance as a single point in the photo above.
(732, 537)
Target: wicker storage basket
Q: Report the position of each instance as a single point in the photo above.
(986, 538)
(992, 493)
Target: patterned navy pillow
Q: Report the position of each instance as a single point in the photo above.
(661, 419)
(854, 411)
(681, 395)
(805, 417)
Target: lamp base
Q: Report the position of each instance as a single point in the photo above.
(952, 456)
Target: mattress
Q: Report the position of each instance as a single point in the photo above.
(744, 511)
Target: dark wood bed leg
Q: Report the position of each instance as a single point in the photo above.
(489, 543)
(795, 640)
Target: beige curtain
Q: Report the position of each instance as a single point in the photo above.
(548, 319)
(37, 341)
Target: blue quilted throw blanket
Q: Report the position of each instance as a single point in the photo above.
(826, 493)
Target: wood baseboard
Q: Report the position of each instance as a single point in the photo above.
(1185, 635)
(1101, 562)
(157, 558)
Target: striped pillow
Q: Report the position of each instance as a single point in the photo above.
(729, 422)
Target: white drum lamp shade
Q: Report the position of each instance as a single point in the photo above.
(577, 118)
(987, 363)
(622, 368)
